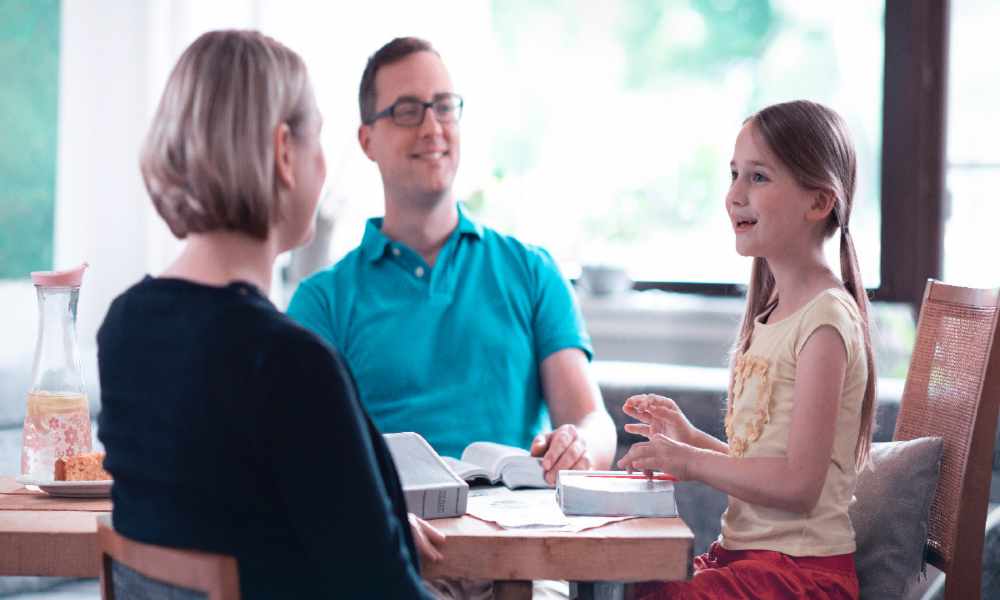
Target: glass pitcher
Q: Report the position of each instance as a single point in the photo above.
(57, 420)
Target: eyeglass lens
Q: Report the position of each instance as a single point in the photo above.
(447, 109)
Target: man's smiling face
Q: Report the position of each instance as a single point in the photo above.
(418, 164)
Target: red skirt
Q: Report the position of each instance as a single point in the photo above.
(760, 574)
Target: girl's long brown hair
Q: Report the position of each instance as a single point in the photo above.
(813, 142)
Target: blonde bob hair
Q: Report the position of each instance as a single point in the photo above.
(208, 159)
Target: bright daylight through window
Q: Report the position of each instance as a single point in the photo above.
(614, 122)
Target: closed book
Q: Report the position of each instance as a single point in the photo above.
(431, 489)
(614, 494)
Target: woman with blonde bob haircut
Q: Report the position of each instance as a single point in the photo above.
(228, 428)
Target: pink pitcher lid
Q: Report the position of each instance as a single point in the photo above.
(68, 278)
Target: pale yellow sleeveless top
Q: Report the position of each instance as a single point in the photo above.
(757, 424)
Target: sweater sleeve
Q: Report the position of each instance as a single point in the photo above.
(316, 442)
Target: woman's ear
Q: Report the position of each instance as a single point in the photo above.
(284, 152)
(822, 204)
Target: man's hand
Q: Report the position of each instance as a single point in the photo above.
(561, 449)
(427, 539)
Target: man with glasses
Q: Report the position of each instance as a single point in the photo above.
(451, 329)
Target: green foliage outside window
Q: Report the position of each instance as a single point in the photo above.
(618, 121)
(667, 45)
(29, 95)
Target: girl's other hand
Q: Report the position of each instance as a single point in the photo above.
(427, 539)
(660, 453)
(659, 416)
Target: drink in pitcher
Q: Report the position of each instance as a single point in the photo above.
(57, 417)
(55, 425)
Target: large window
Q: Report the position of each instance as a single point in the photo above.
(604, 130)
(973, 167)
(29, 55)
(615, 122)
(601, 130)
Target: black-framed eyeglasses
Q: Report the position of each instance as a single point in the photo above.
(409, 112)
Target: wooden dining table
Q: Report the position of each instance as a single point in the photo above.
(43, 535)
(606, 557)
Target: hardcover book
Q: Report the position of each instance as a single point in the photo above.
(614, 494)
(432, 490)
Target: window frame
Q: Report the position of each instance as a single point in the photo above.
(912, 159)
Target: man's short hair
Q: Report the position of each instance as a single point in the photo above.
(394, 51)
(208, 159)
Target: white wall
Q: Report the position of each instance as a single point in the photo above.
(115, 58)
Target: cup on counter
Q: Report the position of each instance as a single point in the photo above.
(604, 280)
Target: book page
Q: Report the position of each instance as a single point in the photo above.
(490, 456)
(465, 470)
(523, 471)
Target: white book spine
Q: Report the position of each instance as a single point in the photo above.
(437, 503)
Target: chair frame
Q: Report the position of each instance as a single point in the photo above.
(964, 536)
(215, 575)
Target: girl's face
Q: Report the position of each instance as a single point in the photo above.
(767, 207)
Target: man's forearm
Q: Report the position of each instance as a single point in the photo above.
(598, 431)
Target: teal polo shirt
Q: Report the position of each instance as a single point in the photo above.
(452, 352)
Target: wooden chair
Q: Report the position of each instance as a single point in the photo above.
(162, 572)
(953, 390)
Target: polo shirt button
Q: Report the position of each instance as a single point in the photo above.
(395, 251)
(419, 272)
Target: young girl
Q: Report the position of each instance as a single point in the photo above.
(802, 382)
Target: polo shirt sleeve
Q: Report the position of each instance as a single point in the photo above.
(312, 307)
(557, 322)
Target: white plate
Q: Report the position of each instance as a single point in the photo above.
(70, 489)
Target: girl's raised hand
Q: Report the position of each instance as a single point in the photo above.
(659, 416)
(660, 453)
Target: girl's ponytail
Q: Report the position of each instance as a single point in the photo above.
(850, 273)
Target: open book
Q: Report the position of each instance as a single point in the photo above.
(615, 494)
(497, 463)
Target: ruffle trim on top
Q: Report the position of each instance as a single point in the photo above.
(743, 369)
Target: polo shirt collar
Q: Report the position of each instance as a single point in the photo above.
(468, 226)
(374, 244)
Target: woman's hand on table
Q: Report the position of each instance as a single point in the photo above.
(427, 539)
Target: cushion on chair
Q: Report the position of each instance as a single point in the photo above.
(890, 514)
